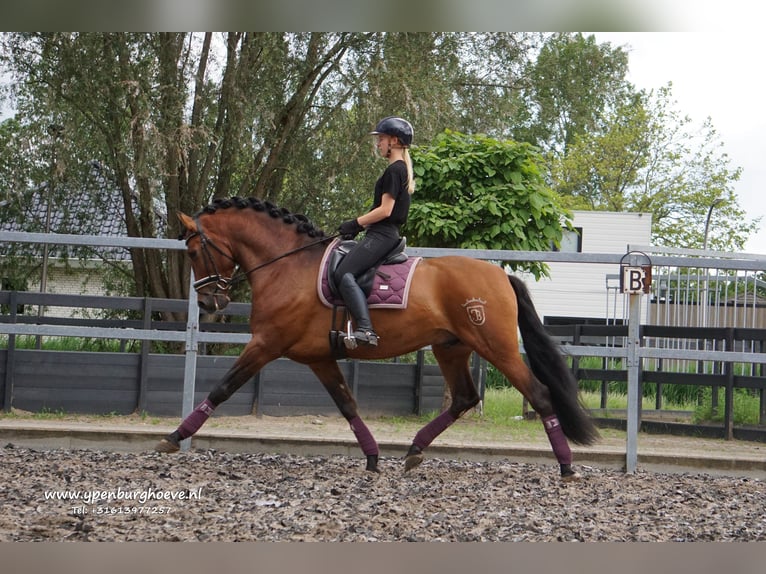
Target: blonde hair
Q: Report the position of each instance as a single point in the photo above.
(410, 174)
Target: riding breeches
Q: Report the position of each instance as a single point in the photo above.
(368, 252)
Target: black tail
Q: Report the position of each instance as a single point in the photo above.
(549, 367)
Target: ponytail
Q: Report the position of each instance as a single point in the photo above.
(410, 174)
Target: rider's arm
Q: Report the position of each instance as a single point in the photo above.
(384, 210)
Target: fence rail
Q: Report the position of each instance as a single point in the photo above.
(632, 351)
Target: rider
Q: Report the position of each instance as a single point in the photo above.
(391, 204)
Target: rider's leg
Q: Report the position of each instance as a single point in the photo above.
(356, 302)
(366, 254)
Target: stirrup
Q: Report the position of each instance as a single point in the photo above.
(348, 337)
(366, 336)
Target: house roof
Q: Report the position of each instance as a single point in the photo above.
(96, 210)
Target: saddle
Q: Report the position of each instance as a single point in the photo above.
(365, 281)
(386, 286)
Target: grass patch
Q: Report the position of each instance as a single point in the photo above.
(71, 344)
(745, 411)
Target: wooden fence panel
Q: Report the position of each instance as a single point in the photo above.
(165, 385)
(386, 388)
(289, 388)
(102, 383)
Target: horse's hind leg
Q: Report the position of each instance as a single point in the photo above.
(331, 377)
(453, 361)
(519, 375)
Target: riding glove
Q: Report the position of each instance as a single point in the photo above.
(350, 229)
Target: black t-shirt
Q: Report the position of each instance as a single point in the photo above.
(394, 182)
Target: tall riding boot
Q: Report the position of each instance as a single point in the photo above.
(356, 303)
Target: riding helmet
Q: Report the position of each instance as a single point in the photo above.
(394, 126)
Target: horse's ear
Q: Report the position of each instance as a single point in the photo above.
(187, 222)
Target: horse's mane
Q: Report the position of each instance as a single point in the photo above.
(301, 222)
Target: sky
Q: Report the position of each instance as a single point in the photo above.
(717, 75)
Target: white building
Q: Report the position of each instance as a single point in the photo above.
(580, 289)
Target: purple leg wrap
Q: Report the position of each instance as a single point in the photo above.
(364, 436)
(558, 441)
(428, 433)
(196, 419)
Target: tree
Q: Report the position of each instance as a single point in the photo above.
(176, 119)
(149, 107)
(571, 84)
(476, 192)
(438, 81)
(650, 158)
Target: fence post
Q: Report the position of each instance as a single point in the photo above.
(421, 358)
(143, 368)
(354, 378)
(761, 394)
(10, 358)
(634, 396)
(728, 405)
(190, 359)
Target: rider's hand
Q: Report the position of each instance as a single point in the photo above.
(350, 229)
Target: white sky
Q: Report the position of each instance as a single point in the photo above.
(717, 74)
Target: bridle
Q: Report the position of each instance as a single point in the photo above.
(215, 278)
(225, 283)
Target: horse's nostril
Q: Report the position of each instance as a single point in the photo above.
(213, 303)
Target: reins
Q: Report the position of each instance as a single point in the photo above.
(226, 283)
(241, 276)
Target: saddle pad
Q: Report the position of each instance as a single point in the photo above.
(390, 288)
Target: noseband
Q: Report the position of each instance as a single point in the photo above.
(215, 278)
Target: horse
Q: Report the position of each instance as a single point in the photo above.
(457, 305)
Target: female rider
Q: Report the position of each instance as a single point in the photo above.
(391, 204)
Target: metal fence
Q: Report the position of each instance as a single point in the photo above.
(740, 271)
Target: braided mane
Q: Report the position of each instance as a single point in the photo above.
(303, 225)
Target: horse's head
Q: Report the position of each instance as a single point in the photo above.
(213, 265)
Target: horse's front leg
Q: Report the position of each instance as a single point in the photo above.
(331, 377)
(247, 365)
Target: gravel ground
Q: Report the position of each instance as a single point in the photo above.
(218, 496)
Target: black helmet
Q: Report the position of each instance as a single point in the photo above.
(393, 126)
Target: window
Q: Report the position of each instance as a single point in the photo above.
(571, 241)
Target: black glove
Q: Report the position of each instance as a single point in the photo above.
(350, 229)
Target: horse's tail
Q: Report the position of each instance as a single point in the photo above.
(549, 367)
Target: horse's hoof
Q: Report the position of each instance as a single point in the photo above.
(571, 476)
(167, 446)
(413, 457)
(412, 460)
(372, 463)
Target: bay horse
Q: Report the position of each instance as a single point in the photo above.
(279, 254)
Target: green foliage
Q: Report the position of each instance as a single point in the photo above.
(572, 82)
(475, 192)
(175, 119)
(75, 344)
(746, 407)
(693, 398)
(647, 157)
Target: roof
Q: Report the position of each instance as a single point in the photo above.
(96, 210)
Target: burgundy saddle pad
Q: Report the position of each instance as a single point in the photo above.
(390, 287)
